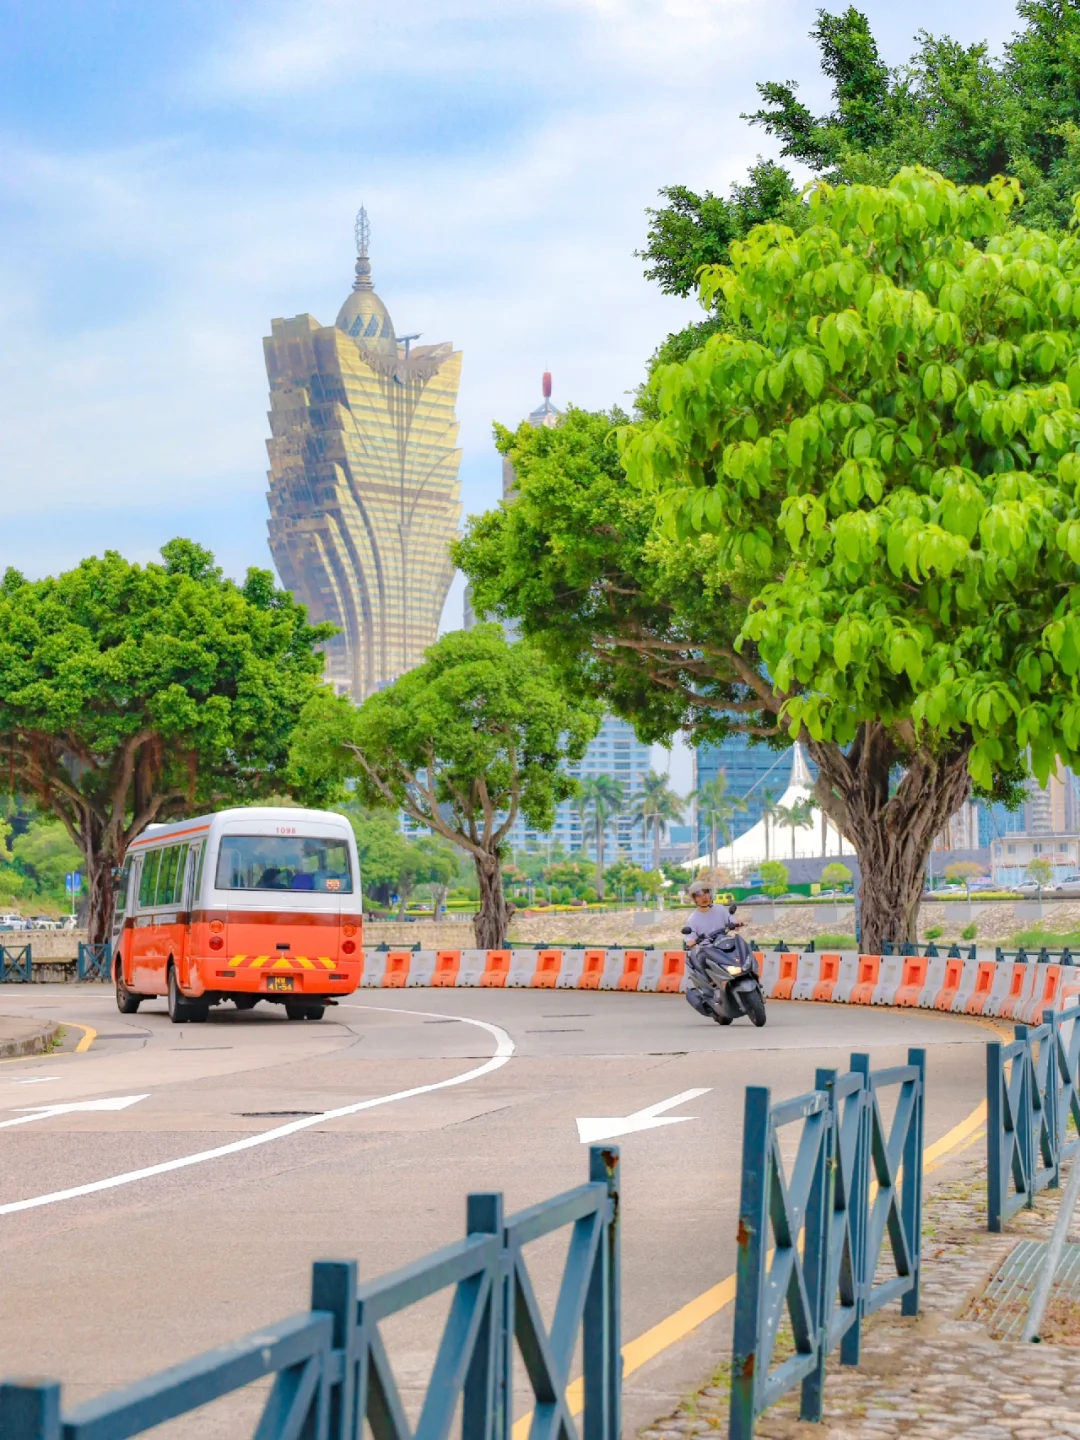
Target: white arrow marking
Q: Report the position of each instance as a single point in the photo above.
(30, 1079)
(47, 1112)
(608, 1126)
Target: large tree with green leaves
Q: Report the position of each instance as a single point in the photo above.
(478, 734)
(953, 108)
(878, 489)
(130, 694)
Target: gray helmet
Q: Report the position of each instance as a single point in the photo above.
(700, 887)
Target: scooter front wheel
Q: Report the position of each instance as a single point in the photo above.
(754, 1006)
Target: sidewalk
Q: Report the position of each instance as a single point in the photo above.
(26, 1037)
(940, 1374)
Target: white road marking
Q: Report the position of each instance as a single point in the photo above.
(504, 1048)
(48, 1112)
(607, 1127)
(28, 1079)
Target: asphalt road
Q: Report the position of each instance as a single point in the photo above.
(105, 1285)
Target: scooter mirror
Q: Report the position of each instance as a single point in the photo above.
(686, 930)
(732, 908)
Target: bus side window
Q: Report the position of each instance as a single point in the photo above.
(171, 876)
(198, 850)
(123, 880)
(148, 883)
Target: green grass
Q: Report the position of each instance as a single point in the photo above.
(834, 942)
(1037, 936)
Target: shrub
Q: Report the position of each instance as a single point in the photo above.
(969, 931)
(935, 932)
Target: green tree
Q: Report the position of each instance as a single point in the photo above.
(604, 798)
(865, 528)
(962, 872)
(771, 810)
(836, 876)
(627, 879)
(717, 809)
(424, 862)
(656, 805)
(774, 877)
(130, 694)
(476, 735)
(45, 853)
(1040, 872)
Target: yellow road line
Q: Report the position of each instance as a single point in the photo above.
(89, 1035)
(676, 1327)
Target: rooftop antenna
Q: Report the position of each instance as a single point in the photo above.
(362, 231)
(547, 384)
(407, 340)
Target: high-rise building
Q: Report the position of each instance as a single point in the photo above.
(364, 491)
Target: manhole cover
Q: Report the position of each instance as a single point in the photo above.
(1005, 1303)
(276, 1114)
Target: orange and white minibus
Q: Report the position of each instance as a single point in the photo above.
(246, 905)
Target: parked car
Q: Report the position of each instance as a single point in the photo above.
(11, 921)
(44, 922)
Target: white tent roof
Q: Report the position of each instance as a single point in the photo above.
(750, 849)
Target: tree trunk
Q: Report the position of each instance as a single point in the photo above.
(824, 833)
(892, 832)
(492, 922)
(714, 863)
(102, 896)
(599, 858)
(766, 818)
(793, 842)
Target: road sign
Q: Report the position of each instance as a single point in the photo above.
(73, 882)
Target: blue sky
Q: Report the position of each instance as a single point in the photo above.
(173, 175)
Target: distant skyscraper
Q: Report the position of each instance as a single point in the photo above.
(544, 414)
(364, 491)
(750, 770)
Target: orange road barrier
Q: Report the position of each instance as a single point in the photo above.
(1044, 996)
(548, 965)
(396, 974)
(785, 982)
(950, 986)
(673, 977)
(573, 962)
(769, 967)
(836, 971)
(847, 979)
(999, 988)
(912, 980)
(807, 975)
(633, 965)
(592, 970)
(984, 986)
(422, 965)
(496, 970)
(862, 991)
(447, 967)
(1020, 988)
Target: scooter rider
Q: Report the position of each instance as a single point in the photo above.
(707, 918)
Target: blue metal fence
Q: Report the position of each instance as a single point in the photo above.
(16, 964)
(94, 962)
(331, 1372)
(854, 1184)
(1032, 1094)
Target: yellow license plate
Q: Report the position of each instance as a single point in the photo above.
(280, 982)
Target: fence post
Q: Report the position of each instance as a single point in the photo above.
(30, 1410)
(911, 1201)
(333, 1288)
(753, 1221)
(602, 1343)
(995, 1119)
(816, 1256)
(851, 1345)
(484, 1395)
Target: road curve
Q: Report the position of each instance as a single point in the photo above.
(360, 1136)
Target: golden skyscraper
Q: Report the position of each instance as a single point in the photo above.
(364, 491)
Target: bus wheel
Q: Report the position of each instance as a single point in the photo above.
(297, 1010)
(179, 1007)
(126, 1002)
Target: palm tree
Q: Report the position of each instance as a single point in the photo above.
(605, 797)
(717, 808)
(795, 817)
(654, 807)
(770, 809)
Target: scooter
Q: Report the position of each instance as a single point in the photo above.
(722, 978)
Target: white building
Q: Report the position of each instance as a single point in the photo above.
(1010, 855)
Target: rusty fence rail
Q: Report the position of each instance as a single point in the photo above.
(331, 1371)
(1033, 1112)
(828, 1237)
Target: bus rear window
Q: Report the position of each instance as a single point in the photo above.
(284, 862)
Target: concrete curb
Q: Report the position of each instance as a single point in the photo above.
(35, 1041)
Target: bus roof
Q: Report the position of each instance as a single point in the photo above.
(201, 824)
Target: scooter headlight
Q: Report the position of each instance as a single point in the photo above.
(733, 969)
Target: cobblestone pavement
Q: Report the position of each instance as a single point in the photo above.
(939, 1374)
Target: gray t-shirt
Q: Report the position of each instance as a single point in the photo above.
(718, 918)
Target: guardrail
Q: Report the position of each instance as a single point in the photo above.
(16, 964)
(1032, 1094)
(332, 1375)
(829, 1224)
(94, 962)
